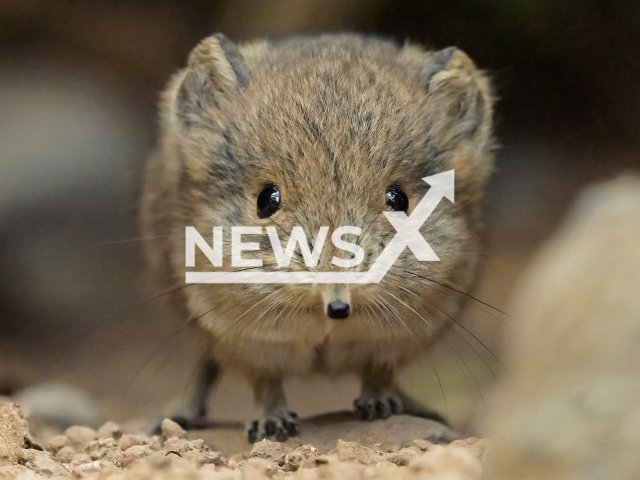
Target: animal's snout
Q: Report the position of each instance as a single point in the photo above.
(338, 310)
(337, 299)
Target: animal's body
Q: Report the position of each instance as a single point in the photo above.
(321, 131)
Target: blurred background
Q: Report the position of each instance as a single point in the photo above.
(79, 83)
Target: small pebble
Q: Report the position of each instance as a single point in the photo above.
(155, 443)
(115, 457)
(293, 460)
(65, 455)
(172, 429)
(403, 457)
(56, 443)
(79, 459)
(177, 445)
(79, 437)
(98, 449)
(213, 458)
(259, 467)
(110, 429)
(198, 444)
(423, 445)
(128, 440)
(135, 453)
(352, 451)
(269, 450)
(97, 466)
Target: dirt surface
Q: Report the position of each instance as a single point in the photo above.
(322, 432)
(82, 452)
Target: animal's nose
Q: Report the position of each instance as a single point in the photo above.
(338, 310)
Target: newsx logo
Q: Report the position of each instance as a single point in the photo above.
(407, 235)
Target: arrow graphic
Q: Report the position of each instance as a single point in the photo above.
(407, 235)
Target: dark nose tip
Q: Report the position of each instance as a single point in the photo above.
(338, 310)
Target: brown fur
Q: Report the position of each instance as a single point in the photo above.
(333, 120)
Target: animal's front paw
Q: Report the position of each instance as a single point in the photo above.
(377, 403)
(275, 426)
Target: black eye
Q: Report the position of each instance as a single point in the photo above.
(268, 201)
(397, 200)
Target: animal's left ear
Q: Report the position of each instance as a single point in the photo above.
(459, 106)
(459, 95)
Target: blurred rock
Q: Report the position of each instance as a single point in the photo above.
(403, 457)
(110, 429)
(450, 463)
(172, 429)
(79, 459)
(80, 437)
(98, 466)
(101, 448)
(569, 406)
(58, 405)
(135, 453)
(56, 443)
(129, 440)
(65, 455)
(354, 452)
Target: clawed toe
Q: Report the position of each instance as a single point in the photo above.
(276, 428)
(382, 406)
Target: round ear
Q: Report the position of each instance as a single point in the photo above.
(459, 95)
(459, 104)
(215, 70)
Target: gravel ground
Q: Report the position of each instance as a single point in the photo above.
(82, 452)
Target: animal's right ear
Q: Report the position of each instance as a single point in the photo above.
(215, 70)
